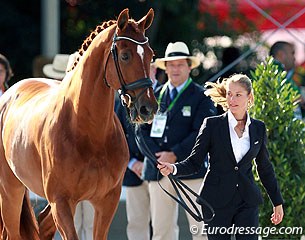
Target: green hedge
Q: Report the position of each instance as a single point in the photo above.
(275, 104)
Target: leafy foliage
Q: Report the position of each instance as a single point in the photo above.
(275, 104)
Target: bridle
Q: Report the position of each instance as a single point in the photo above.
(140, 83)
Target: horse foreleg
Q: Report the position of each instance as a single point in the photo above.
(104, 212)
(63, 217)
(47, 226)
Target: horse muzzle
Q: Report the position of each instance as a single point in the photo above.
(143, 110)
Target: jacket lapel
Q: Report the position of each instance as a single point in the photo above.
(225, 132)
(163, 103)
(180, 101)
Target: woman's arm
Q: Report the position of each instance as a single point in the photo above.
(193, 163)
(267, 176)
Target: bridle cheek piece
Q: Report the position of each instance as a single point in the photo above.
(126, 99)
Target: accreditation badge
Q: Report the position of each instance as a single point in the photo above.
(186, 111)
(158, 125)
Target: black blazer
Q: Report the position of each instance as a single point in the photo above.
(225, 176)
(130, 178)
(180, 131)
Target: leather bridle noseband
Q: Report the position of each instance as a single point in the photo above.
(140, 83)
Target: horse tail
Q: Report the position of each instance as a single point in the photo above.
(28, 222)
(2, 232)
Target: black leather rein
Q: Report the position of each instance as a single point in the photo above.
(178, 185)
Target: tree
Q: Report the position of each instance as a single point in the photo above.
(275, 104)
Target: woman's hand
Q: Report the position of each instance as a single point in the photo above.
(277, 215)
(165, 168)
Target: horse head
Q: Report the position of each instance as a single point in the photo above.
(128, 69)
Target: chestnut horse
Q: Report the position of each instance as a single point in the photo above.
(63, 141)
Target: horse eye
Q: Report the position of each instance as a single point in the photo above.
(124, 57)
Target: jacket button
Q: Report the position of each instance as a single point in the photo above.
(236, 168)
(237, 185)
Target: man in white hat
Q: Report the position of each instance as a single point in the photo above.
(171, 136)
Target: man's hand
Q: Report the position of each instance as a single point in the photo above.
(168, 157)
(137, 168)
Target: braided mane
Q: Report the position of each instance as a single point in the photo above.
(89, 40)
(93, 34)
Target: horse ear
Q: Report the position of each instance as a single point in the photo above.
(123, 19)
(146, 21)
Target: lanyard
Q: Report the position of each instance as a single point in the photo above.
(171, 105)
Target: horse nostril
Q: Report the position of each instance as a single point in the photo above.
(144, 111)
(147, 112)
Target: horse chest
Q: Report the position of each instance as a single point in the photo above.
(103, 166)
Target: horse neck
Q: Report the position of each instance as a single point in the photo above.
(92, 100)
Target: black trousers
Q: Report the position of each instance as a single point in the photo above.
(237, 218)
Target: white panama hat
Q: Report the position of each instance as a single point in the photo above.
(57, 69)
(177, 51)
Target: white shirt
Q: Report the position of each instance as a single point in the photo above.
(240, 145)
(179, 88)
(154, 84)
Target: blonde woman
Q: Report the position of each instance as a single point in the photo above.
(232, 140)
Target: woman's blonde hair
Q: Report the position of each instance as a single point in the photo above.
(218, 91)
